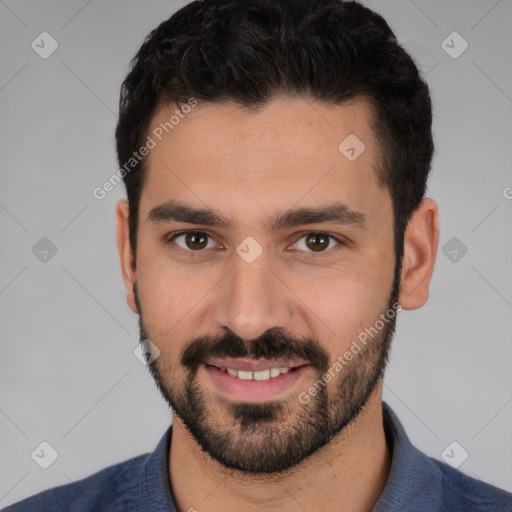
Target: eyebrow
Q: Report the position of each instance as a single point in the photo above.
(336, 213)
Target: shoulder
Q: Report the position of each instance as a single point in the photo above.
(420, 483)
(112, 488)
(462, 493)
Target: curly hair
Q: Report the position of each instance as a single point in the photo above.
(250, 51)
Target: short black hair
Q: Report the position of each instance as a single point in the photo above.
(250, 51)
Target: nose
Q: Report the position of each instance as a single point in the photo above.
(252, 299)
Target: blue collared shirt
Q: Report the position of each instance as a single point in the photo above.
(416, 483)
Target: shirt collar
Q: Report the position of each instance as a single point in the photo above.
(154, 485)
(412, 479)
(413, 483)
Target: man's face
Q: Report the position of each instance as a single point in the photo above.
(250, 313)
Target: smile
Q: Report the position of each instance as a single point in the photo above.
(244, 379)
(267, 374)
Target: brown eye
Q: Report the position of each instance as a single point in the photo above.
(196, 241)
(316, 242)
(192, 241)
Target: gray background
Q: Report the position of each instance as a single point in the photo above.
(68, 372)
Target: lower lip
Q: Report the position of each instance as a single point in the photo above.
(251, 390)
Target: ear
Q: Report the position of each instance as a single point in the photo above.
(420, 249)
(125, 251)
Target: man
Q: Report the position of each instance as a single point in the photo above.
(275, 156)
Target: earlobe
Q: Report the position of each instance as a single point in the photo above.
(420, 249)
(126, 255)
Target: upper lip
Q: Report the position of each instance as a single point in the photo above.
(254, 365)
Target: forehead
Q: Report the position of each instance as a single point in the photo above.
(289, 125)
(292, 150)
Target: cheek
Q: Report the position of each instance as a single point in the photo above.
(168, 296)
(351, 300)
(162, 311)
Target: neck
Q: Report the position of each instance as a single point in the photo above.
(355, 466)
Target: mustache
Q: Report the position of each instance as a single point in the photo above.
(273, 344)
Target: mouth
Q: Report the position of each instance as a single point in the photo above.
(270, 373)
(254, 380)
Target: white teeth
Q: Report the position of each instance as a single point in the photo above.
(275, 372)
(259, 375)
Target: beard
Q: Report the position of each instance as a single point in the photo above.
(274, 436)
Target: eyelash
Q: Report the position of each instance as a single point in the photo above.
(169, 240)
